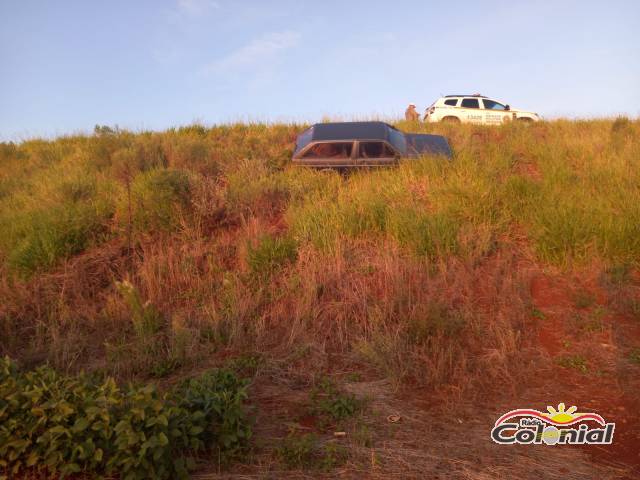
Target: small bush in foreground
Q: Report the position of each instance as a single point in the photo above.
(331, 405)
(65, 425)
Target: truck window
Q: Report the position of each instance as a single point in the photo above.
(375, 150)
(470, 103)
(398, 140)
(329, 150)
(452, 102)
(491, 105)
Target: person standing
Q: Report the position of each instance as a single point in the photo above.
(410, 114)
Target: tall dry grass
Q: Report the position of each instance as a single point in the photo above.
(140, 254)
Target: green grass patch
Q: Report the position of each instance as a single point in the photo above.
(307, 452)
(271, 253)
(159, 199)
(575, 362)
(61, 218)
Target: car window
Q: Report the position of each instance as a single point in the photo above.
(329, 150)
(303, 139)
(398, 140)
(491, 105)
(451, 102)
(375, 150)
(470, 103)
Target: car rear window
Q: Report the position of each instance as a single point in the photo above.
(375, 150)
(451, 102)
(398, 140)
(329, 150)
(470, 103)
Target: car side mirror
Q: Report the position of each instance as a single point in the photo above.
(507, 108)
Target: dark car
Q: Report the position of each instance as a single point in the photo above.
(362, 144)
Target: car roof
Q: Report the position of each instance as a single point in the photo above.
(350, 131)
(476, 96)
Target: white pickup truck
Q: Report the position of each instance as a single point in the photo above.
(475, 109)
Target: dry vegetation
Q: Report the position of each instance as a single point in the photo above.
(443, 291)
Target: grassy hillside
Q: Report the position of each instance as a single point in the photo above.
(151, 256)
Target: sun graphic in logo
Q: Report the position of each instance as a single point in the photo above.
(561, 416)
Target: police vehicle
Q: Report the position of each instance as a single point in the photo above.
(475, 108)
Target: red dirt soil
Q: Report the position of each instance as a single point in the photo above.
(612, 389)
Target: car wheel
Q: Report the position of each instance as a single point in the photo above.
(525, 119)
(450, 120)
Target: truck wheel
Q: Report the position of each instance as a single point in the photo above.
(450, 120)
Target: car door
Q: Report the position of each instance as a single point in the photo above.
(494, 112)
(375, 153)
(470, 109)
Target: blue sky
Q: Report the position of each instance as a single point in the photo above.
(67, 65)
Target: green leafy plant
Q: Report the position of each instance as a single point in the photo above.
(216, 400)
(65, 425)
(331, 404)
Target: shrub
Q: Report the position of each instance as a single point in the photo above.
(218, 397)
(159, 198)
(331, 404)
(65, 425)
